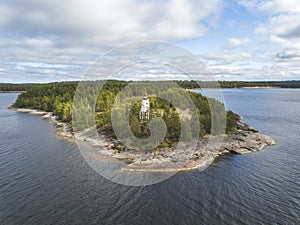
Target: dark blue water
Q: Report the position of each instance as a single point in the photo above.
(45, 180)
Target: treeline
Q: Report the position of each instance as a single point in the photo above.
(182, 83)
(238, 84)
(59, 98)
(15, 87)
(275, 84)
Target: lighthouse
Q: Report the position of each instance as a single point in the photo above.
(144, 113)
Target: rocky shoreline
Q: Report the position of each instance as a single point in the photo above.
(63, 130)
(185, 157)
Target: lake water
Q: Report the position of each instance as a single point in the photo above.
(45, 180)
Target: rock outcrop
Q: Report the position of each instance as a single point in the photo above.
(246, 140)
(184, 157)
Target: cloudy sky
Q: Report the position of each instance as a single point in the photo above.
(43, 41)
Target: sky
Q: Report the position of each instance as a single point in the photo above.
(59, 40)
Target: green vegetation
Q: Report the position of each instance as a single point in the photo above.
(6, 87)
(239, 84)
(93, 106)
(54, 97)
(58, 98)
(275, 84)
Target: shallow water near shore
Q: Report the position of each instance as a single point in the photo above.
(45, 180)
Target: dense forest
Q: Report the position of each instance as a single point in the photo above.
(6, 87)
(238, 84)
(58, 98)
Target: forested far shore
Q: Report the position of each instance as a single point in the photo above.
(10, 87)
(239, 84)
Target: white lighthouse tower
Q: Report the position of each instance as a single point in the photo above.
(145, 113)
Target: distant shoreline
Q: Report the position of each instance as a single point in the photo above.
(13, 91)
(258, 87)
(246, 140)
(254, 87)
(185, 84)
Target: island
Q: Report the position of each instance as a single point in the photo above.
(144, 103)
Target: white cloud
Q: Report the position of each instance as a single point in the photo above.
(283, 23)
(39, 43)
(228, 56)
(279, 23)
(238, 42)
(254, 65)
(76, 32)
(112, 21)
(282, 26)
(249, 4)
(5, 13)
(58, 39)
(279, 6)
